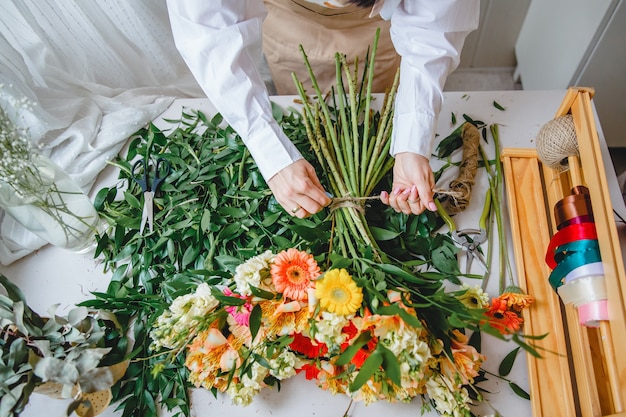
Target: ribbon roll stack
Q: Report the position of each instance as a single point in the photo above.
(574, 257)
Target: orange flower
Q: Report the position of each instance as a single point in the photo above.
(293, 272)
(503, 319)
(516, 301)
(466, 357)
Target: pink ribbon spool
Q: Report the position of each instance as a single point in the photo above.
(591, 314)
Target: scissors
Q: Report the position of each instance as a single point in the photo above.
(141, 174)
(469, 239)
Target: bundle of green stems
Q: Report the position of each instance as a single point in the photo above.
(351, 143)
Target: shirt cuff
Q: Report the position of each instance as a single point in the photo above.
(271, 149)
(413, 132)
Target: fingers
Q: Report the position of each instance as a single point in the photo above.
(298, 190)
(413, 182)
(407, 200)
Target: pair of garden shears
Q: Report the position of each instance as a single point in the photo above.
(142, 175)
(469, 239)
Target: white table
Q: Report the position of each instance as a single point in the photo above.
(52, 275)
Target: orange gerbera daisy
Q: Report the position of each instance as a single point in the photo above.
(503, 319)
(516, 301)
(293, 272)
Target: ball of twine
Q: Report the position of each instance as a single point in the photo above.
(556, 141)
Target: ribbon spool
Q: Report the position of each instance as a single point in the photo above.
(574, 256)
(573, 253)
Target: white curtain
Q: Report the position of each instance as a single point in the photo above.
(97, 71)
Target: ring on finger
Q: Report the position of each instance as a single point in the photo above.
(295, 209)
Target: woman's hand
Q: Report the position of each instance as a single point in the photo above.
(298, 190)
(412, 187)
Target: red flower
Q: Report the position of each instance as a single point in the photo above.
(310, 371)
(303, 345)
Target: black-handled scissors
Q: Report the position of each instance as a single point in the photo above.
(142, 175)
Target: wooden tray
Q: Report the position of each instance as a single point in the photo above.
(583, 371)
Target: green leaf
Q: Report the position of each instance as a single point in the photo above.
(347, 355)
(13, 291)
(100, 198)
(507, 363)
(455, 321)
(271, 219)
(395, 309)
(498, 106)
(476, 340)
(383, 234)
(228, 263)
(519, 391)
(528, 348)
(444, 259)
(310, 234)
(257, 292)
(190, 255)
(450, 143)
(370, 366)
(391, 365)
(255, 320)
(205, 222)
(225, 299)
(400, 273)
(56, 370)
(132, 200)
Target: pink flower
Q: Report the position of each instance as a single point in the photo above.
(241, 313)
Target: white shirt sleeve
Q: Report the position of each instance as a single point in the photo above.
(229, 33)
(429, 36)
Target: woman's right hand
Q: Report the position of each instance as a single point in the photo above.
(298, 190)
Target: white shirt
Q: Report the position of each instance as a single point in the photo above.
(220, 40)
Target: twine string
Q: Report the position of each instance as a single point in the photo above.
(556, 141)
(358, 203)
(462, 185)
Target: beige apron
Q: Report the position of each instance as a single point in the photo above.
(323, 32)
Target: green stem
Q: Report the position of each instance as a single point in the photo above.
(505, 266)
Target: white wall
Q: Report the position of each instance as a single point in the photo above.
(567, 43)
(493, 43)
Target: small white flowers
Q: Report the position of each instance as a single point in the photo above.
(329, 330)
(190, 307)
(448, 402)
(183, 316)
(15, 147)
(254, 272)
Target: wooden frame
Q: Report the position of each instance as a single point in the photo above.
(583, 372)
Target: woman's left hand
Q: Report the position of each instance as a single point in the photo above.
(413, 183)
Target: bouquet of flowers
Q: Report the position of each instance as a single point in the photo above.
(285, 315)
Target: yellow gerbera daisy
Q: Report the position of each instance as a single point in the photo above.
(338, 293)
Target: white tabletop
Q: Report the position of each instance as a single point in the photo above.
(51, 275)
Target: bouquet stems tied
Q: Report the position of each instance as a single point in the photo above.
(351, 145)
